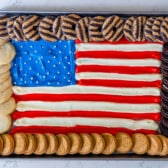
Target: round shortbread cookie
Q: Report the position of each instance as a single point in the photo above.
(164, 30)
(7, 53)
(30, 27)
(68, 26)
(112, 28)
(95, 28)
(164, 140)
(3, 31)
(8, 144)
(1, 144)
(5, 123)
(5, 95)
(4, 68)
(2, 42)
(4, 76)
(31, 144)
(6, 84)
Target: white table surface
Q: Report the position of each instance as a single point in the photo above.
(82, 5)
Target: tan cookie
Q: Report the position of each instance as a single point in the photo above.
(95, 28)
(2, 42)
(164, 140)
(6, 84)
(124, 142)
(4, 76)
(68, 26)
(110, 143)
(21, 143)
(6, 94)
(88, 144)
(8, 145)
(112, 28)
(1, 145)
(164, 29)
(31, 145)
(99, 143)
(140, 143)
(4, 68)
(41, 144)
(7, 53)
(52, 143)
(76, 143)
(3, 31)
(5, 123)
(155, 145)
(64, 144)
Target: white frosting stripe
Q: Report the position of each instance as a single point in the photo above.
(118, 47)
(66, 106)
(119, 62)
(73, 121)
(116, 76)
(153, 91)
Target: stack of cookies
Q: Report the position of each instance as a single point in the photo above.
(7, 103)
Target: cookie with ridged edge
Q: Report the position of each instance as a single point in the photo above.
(30, 27)
(45, 29)
(1, 144)
(127, 29)
(10, 23)
(112, 28)
(164, 140)
(164, 29)
(4, 68)
(68, 26)
(6, 94)
(31, 144)
(3, 31)
(163, 128)
(95, 28)
(156, 29)
(5, 123)
(82, 29)
(57, 28)
(148, 29)
(6, 84)
(138, 28)
(17, 28)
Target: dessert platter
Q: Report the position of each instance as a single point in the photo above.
(83, 85)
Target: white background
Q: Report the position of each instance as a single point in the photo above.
(81, 6)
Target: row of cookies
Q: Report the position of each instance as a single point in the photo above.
(7, 103)
(83, 144)
(72, 26)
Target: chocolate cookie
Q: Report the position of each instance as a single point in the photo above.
(156, 29)
(45, 29)
(30, 27)
(112, 28)
(69, 24)
(148, 29)
(164, 29)
(95, 29)
(82, 29)
(127, 29)
(138, 28)
(3, 31)
(163, 128)
(57, 25)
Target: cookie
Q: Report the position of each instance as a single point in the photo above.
(3, 31)
(164, 142)
(164, 30)
(4, 76)
(21, 143)
(2, 42)
(57, 28)
(6, 94)
(76, 143)
(163, 128)
(6, 84)
(52, 143)
(140, 143)
(88, 144)
(110, 143)
(4, 68)
(8, 144)
(5, 123)
(31, 144)
(41, 144)
(95, 29)
(68, 26)
(1, 144)
(148, 29)
(155, 145)
(156, 29)
(124, 142)
(112, 28)
(82, 29)
(30, 27)
(138, 28)
(127, 29)
(45, 29)
(17, 28)
(99, 145)
(9, 28)
(7, 53)
(64, 144)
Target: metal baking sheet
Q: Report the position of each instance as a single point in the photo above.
(129, 156)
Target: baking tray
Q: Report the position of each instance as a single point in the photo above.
(129, 156)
